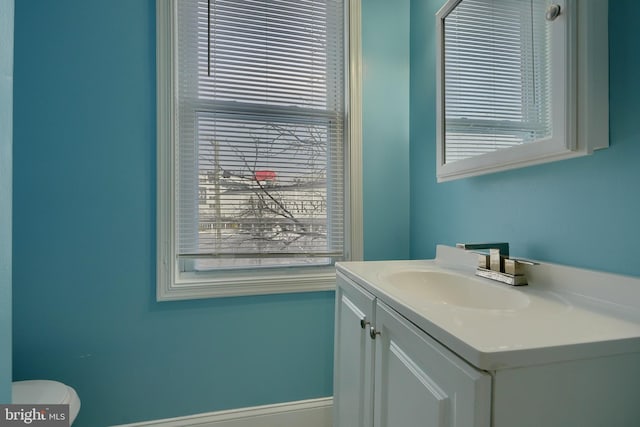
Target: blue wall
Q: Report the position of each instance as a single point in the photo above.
(84, 213)
(385, 123)
(6, 114)
(84, 240)
(84, 209)
(583, 212)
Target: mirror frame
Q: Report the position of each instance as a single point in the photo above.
(583, 77)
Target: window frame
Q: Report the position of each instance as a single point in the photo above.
(172, 284)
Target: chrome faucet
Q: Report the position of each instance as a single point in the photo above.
(497, 265)
(497, 252)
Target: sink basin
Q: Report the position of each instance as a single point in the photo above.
(454, 289)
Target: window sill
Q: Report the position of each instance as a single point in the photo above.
(243, 283)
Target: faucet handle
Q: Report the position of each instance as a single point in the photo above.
(514, 265)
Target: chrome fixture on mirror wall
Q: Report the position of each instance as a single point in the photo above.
(553, 11)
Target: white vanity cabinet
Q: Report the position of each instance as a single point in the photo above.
(353, 358)
(389, 373)
(564, 353)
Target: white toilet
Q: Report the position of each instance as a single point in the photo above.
(43, 392)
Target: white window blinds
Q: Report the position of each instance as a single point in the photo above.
(260, 111)
(497, 73)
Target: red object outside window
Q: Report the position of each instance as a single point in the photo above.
(265, 175)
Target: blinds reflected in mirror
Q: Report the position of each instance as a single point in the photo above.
(497, 66)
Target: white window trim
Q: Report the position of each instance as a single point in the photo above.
(173, 285)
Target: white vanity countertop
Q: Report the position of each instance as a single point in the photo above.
(567, 313)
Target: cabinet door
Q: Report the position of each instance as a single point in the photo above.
(418, 382)
(353, 360)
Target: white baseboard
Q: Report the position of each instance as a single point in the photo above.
(303, 413)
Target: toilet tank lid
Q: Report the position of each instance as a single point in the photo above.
(41, 392)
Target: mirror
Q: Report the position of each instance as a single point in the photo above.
(508, 79)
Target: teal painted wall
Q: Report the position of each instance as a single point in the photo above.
(84, 228)
(84, 241)
(385, 122)
(84, 213)
(6, 143)
(582, 212)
